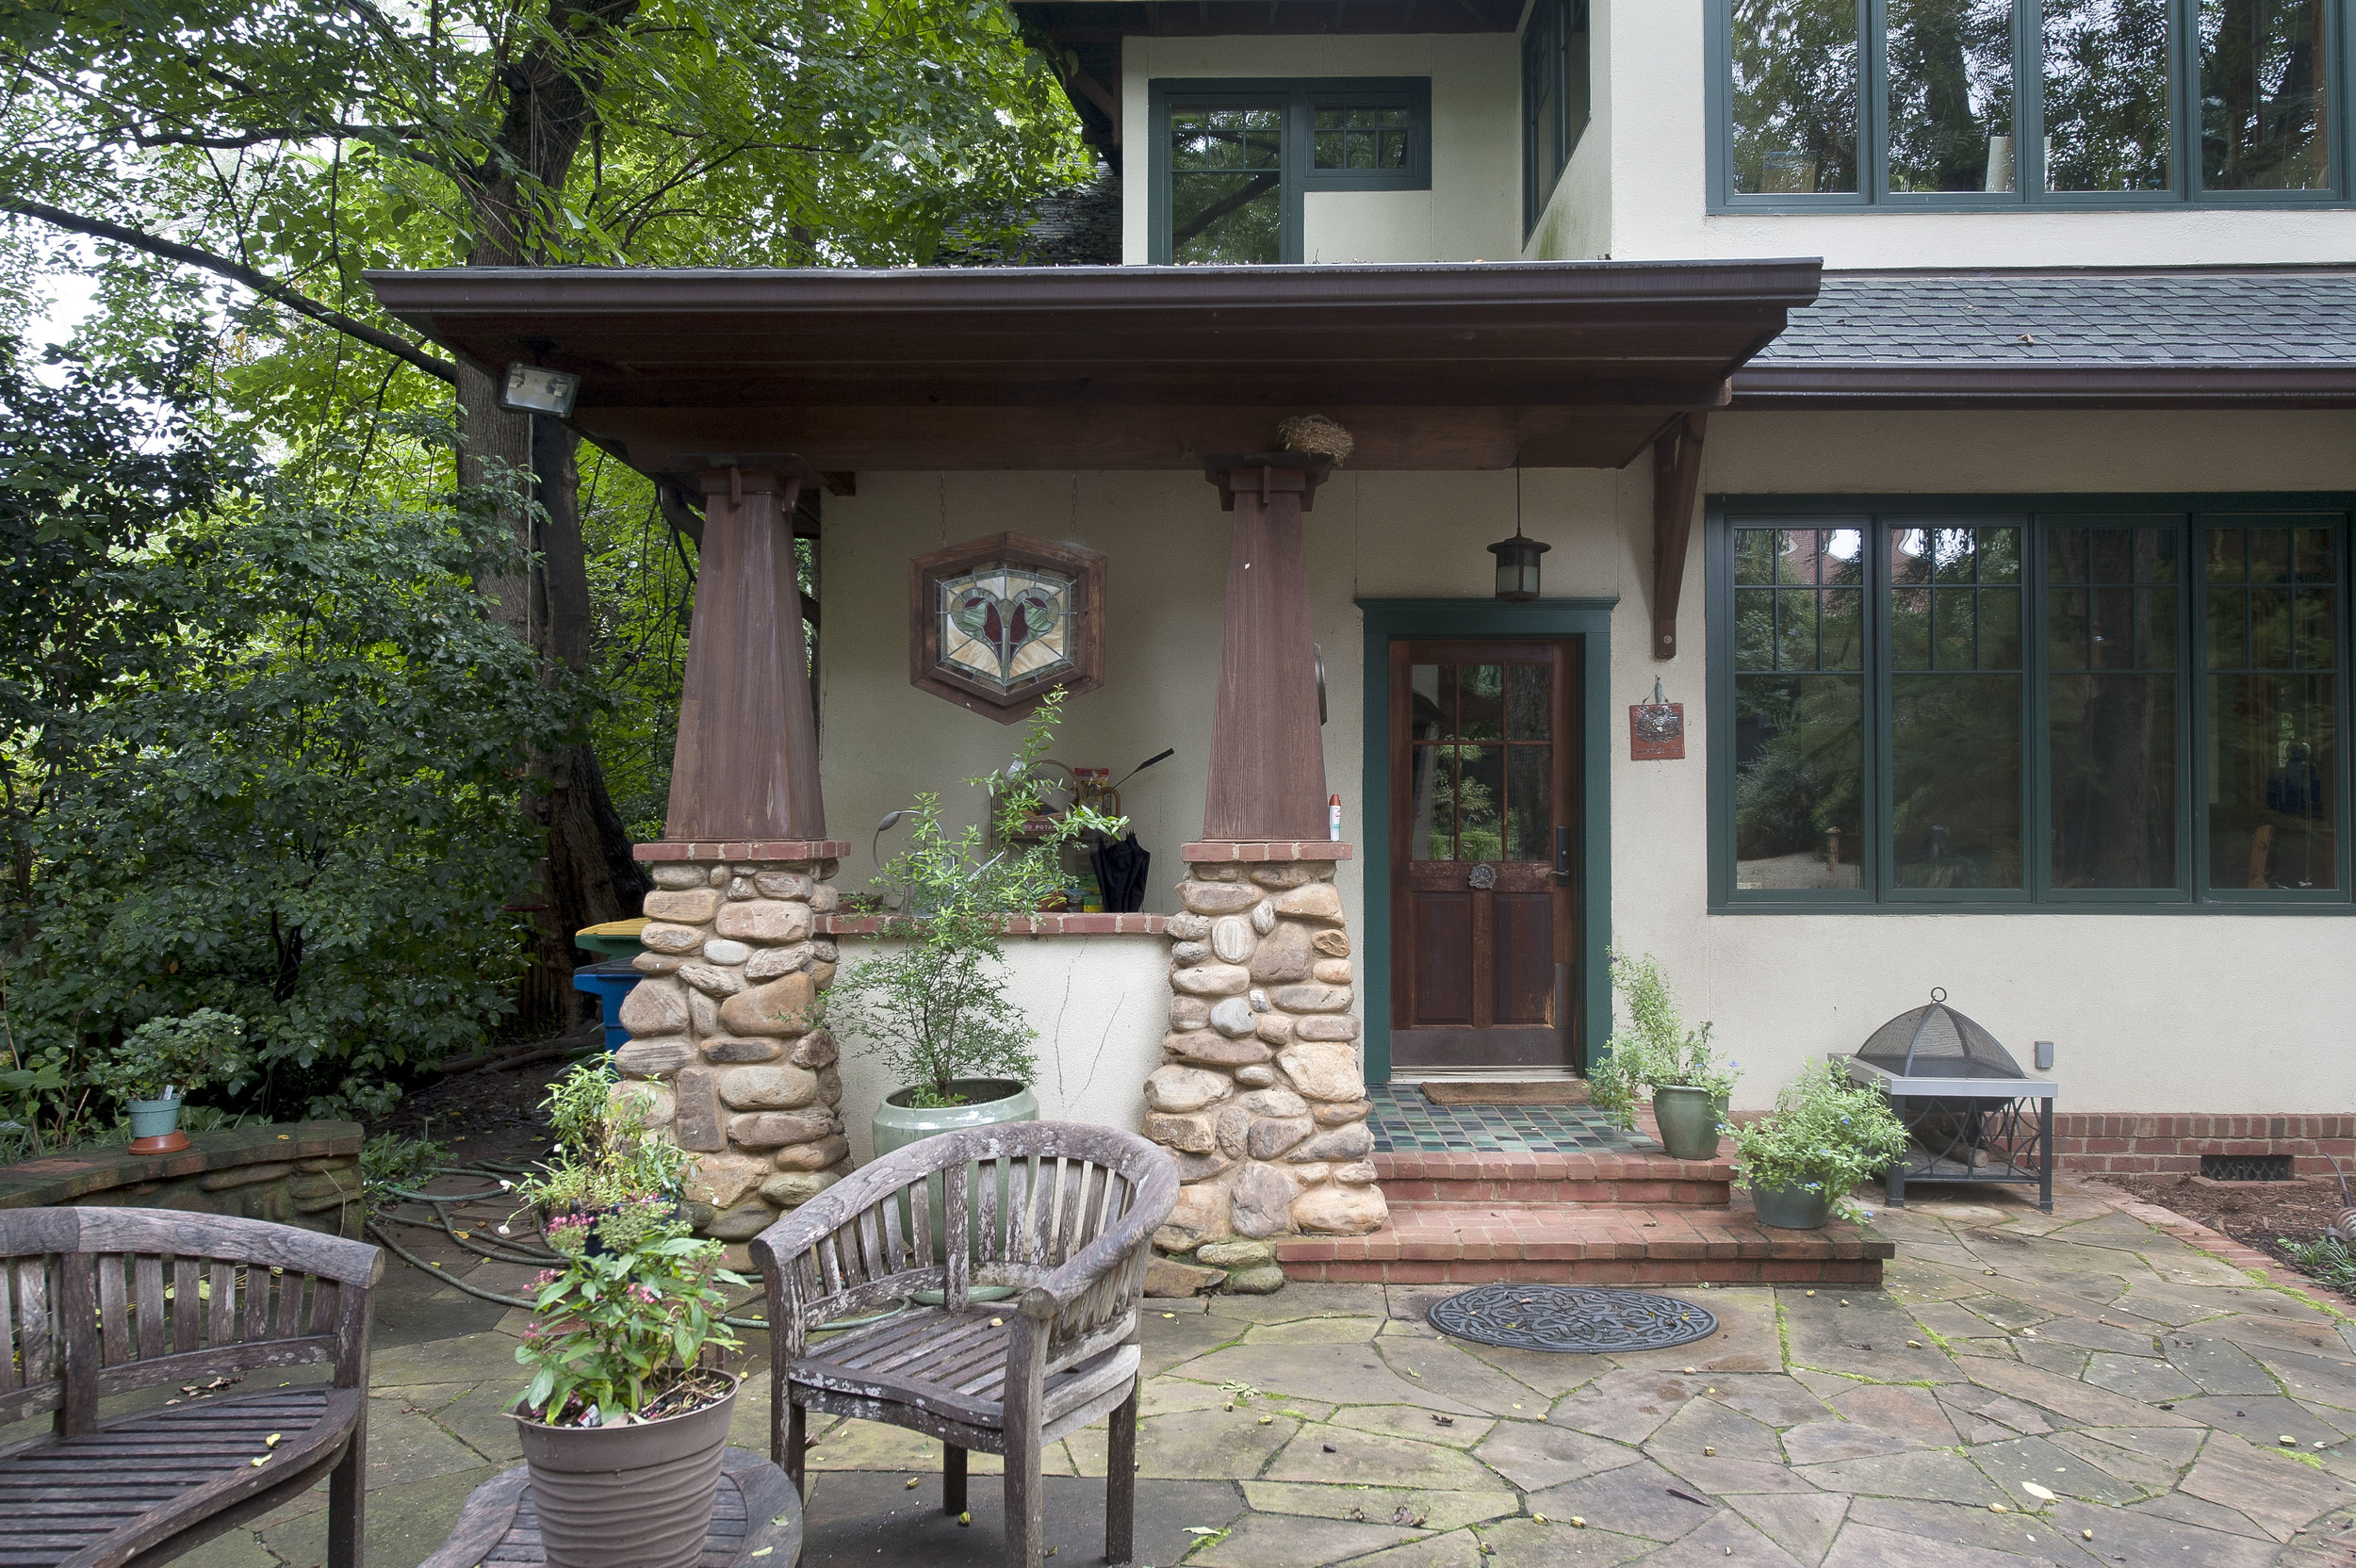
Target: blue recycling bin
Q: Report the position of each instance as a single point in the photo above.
(609, 982)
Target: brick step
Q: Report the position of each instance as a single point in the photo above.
(1587, 1181)
(1452, 1243)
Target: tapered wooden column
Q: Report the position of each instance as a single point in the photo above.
(747, 765)
(1267, 755)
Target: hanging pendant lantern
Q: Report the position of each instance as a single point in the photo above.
(1517, 566)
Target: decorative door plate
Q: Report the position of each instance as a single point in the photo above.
(1656, 731)
(1484, 876)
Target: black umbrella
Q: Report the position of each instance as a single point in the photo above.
(1120, 875)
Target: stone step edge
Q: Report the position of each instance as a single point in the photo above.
(1398, 1191)
(1850, 1273)
(1565, 1234)
(1463, 1164)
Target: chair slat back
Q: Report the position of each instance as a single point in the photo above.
(104, 1301)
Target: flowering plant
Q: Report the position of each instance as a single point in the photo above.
(606, 1152)
(623, 1325)
(1655, 1050)
(1825, 1134)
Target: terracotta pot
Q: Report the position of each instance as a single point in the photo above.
(1792, 1208)
(636, 1496)
(1689, 1120)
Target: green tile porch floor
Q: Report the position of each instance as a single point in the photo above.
(1405, 1120)
(2142, 1382)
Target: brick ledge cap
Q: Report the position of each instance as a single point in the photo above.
(1214, 851)
(744, 849)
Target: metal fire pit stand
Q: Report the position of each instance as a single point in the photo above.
(1963, 1133)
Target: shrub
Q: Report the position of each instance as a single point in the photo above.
(1655, 1049)
(174, 1055)
(1825, 1134)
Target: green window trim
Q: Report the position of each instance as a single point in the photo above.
(2220, 645)
(1296, 103)
(1557, 97)
(2183, 145)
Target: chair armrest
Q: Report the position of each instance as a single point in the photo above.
(1084, 1269)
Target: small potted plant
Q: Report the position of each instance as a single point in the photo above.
(162, 1062)
(1825, 1134)
(625, 1416)
(1656, 1056)
(604, 1155)
(934, 1002)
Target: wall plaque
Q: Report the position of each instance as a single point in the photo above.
(1656, 731)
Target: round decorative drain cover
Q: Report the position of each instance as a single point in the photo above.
(1570, 1318)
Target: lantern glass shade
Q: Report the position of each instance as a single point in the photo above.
(1517, 566)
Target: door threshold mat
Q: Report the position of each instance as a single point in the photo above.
(1572, 1320)
(1542, 1092)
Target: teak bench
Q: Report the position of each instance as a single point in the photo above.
(99, 1301)
(1060, 1215)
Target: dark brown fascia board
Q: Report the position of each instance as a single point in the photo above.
(456, 291)
(2048, 385)
(1097, 20)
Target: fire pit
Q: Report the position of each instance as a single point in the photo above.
(1975, 1115)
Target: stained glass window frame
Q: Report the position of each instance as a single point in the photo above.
(1079, 667)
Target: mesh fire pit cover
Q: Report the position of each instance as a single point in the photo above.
(1582, 1319)
(1936, 1041)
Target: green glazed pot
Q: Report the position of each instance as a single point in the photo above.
(990, 1102)
(153, 1119)
(1792, 1208)
(1688, 1121)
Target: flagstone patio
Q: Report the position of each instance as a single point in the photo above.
(2147, 1384)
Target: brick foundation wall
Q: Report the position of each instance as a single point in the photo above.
(2131, 1143)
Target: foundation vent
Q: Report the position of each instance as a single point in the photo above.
(2245, 1167)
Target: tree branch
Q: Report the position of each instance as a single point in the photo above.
(260, 283)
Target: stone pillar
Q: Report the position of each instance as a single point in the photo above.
(1261, 1098)
(722, 1024)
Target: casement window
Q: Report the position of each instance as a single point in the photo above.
(1231, 162)
(2120, 704)
(1994, 104)
(1555, 98)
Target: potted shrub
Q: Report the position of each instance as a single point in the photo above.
(1655, 1056)
(933, 1003)
(1825, 1134)
(163, 1061)
(625, 1418)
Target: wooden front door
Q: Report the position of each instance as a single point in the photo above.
(1483, 853)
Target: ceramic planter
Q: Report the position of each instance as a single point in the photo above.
(1689, 1120)
(634, 1496)
(155, 1126)
(1792, 1208)
(990, 1102)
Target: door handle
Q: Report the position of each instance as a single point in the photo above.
(1563, 856)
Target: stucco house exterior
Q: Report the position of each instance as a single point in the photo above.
(1948, 404)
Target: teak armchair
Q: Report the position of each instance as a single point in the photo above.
(1061, 1214)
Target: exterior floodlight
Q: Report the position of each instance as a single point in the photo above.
(534, 390)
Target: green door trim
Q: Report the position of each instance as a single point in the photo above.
(1589, 622)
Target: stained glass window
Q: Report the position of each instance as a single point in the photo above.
(1006, 626)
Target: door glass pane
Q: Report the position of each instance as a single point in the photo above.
(1481, 692)
(1795, 96)
(1226, 186)
(1528, 701)
(2106, 97)
(1799, 713)
(1530, 804)
(1431, 826)
(1955, 707)
(2264, 96)
(1950, 95)
(2112, 699)
(1480, 802)
(1432, 698)
(2271, 691)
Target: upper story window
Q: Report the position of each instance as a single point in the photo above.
(1985, 704)
(1231, 160)
(2004, 104)
(1555, 98)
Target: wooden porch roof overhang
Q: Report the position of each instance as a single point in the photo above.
(1431, 367)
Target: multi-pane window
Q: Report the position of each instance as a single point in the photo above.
(1231, 160)
(1482, 767)
(1555, 97)
(2097, 705)
(2003, 103)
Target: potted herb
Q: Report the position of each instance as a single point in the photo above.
(933, 1004)
(162, 1062)
(1825, 1134)
(624, 1422)
(1656, 1056)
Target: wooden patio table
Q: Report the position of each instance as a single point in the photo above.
(756, 1521)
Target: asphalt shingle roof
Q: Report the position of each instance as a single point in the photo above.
(2185, 320)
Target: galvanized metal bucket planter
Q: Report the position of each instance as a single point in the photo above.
(634, 1496)
(1689, 1120)
(1792, 1208)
